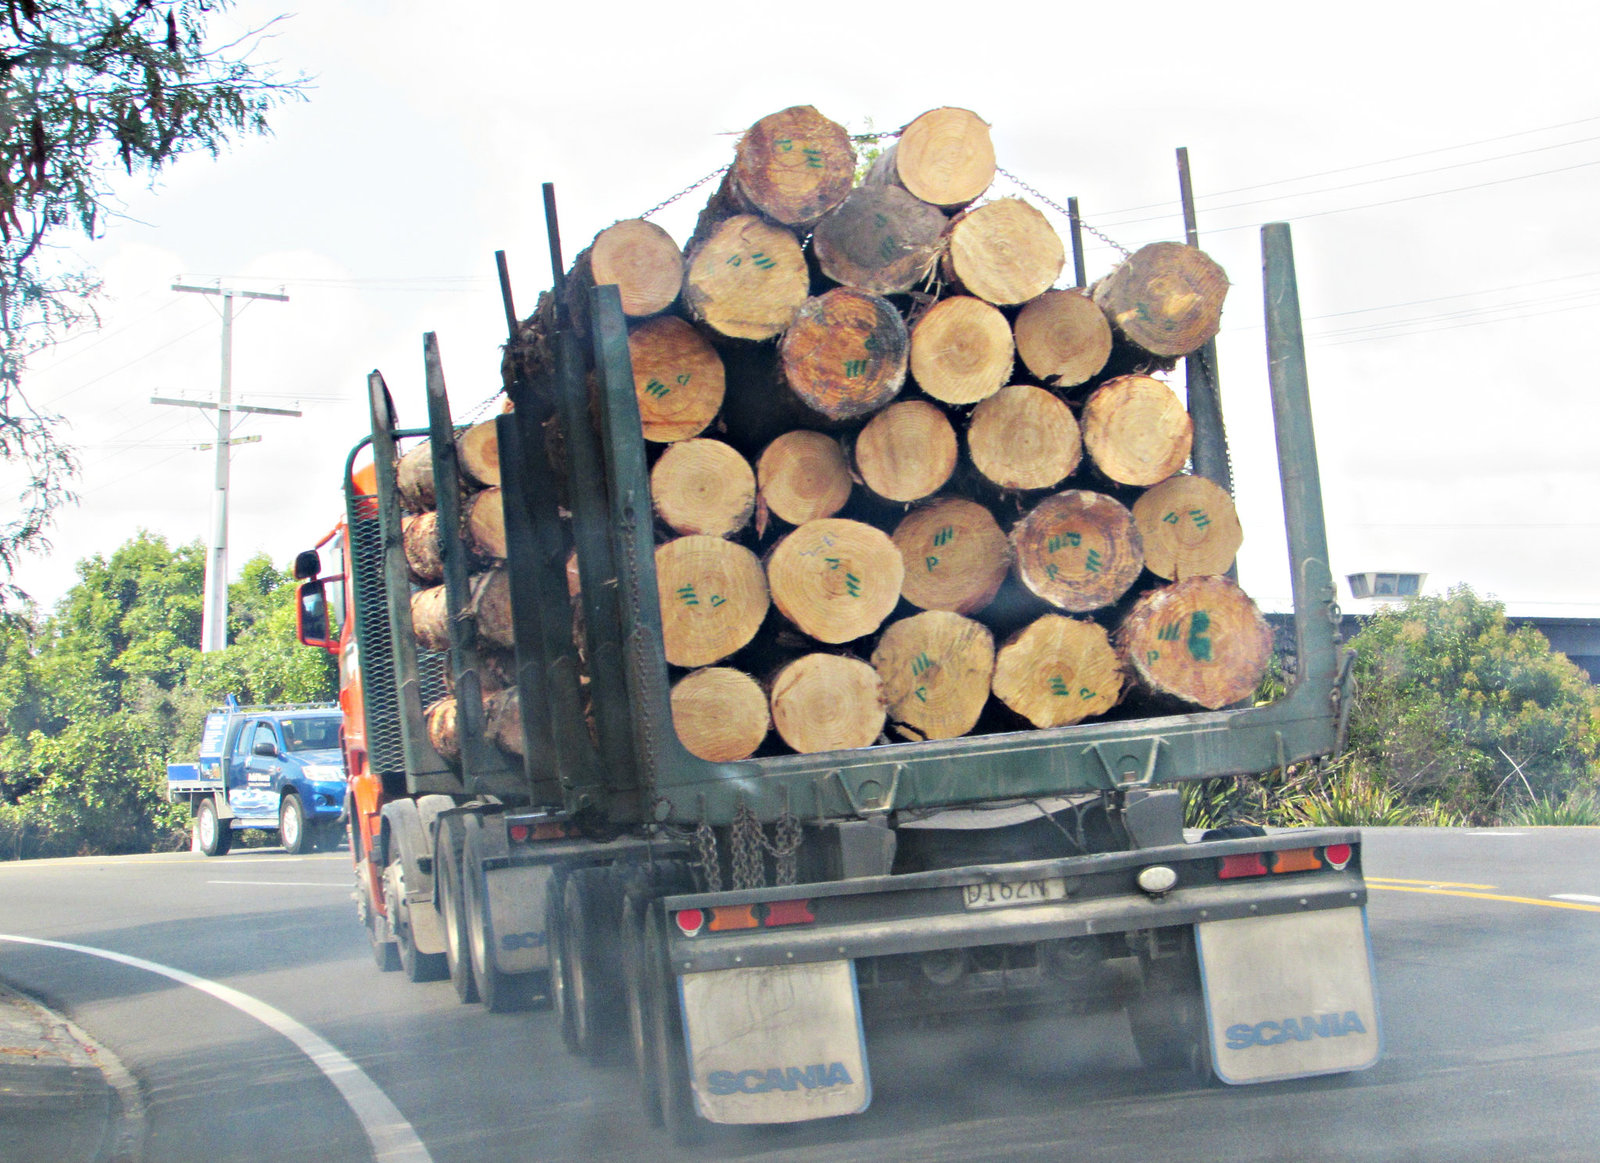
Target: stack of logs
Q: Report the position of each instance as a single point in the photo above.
(902, 482)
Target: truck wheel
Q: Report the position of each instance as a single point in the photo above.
(589, 911)
(500, 992)
(292, 831)
(418, 966)
(452, 907)
(671, 1065)
(216, 837)
(1168, 1020)
(384, 953)
(641, 1035)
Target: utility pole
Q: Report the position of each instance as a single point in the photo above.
(214, 612)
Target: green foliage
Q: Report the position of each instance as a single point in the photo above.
(1457, 710)
(88, 86)
(99, 697)
(1576, 810)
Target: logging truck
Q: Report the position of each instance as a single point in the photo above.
(733, 770)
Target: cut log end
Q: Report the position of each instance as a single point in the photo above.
(803, 475)
(879, 239)
(644, 263)
(907, 451)
(478, 452)
(485, 525)
(835, 579)
(1166, 298)
(747, 278)
(962, 350)
(440, 718)
(795, 165)
(1004, 252)
(955, 556)
(945, 157)
(720, 714)
(1063, 337)
(1136, 430)
(1057, 671)
(1190, 528)
(678, 379)
(1201, 641)
(1078, 550)
(936, 668)
(502, 713)
(713, 597)
(845, 354)
(1022, 437)
(827, 702)
(703, 486)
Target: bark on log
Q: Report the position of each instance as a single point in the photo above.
(713, 597)
(720, 714)
(1190, 527)
(936, 669)
(678, 379)
(794, 166)
(413, 478)
(644, 263)
(1201, 641)
(1063, 337)
(747, 278)
(491, 607)
(1004, 252)
(845, 354)
(430, 618)
(879, 239)
(1078, 550)
(502, 713)
(827, 702)
(835, 579)
(478, 452)
(1166, 299)
(1057, 671)
(962, 350)
(802, 476)
(419, 537)
(906, 452)
(1136, 430)
(441, 722)
(944, 157)
(955, 555)
(1023, 437)
(703, 486)
(485, 525)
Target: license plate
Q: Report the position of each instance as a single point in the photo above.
(1004, 893)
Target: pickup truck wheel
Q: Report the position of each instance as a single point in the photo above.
(500, 992)
(292, 830)
(418, 966)
(452, 907)
(1168, 1020)
(216, 837)
(671, 1065)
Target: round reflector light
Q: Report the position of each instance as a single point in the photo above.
(690, 921)
(519, 832)
(1337, 855)
(1157, 880)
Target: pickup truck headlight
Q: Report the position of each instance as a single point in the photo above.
(324, 772)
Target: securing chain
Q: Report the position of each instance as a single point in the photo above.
(747, 841)
(705, 846)
(687, 190)
(1063, 211)
(785, 848)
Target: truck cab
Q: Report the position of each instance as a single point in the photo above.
(274, 768)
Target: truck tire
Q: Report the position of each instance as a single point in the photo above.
(385, 954)
(590, 1002)
(641, 1038)
(671, 1063)
(452, 905)
(418, 966)
(293, 831)
(216, 837)
(500, 992)
(1168, 1020)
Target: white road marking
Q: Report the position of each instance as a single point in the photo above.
(1576, 896)
(289, 883)
(393, 1139)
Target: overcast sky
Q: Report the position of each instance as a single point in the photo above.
(1440, 165)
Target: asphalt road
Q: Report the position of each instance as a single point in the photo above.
(284, 1037)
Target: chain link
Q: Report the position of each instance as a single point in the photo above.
(785, 848)
(1063, 211)
(687, 190)
(477, 413)
(705, 846)
(747, 841)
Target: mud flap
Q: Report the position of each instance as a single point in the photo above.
(1289, 996)
(516, 914)
(776, 1045)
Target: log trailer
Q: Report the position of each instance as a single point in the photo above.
(742, 924)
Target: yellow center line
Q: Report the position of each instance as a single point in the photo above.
(1429, 883)
(1489, 896)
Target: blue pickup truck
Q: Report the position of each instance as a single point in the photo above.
(277, 768)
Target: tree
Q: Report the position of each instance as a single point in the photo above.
(87, 85)
(1457, 708)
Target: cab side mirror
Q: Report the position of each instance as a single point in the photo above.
(311, 616)
(263, 747)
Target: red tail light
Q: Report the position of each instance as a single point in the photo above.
(1245, 864)
(690, 921)
(1338, 855)
(789, 913)
(519, 832)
